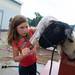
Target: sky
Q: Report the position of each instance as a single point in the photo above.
(63, 10)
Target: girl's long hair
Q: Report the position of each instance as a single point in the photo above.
(13, 23)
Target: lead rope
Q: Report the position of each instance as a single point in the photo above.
(52, 60)
(55, 46)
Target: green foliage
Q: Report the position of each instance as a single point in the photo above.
(34, 21)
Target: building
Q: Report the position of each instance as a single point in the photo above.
(8, 8)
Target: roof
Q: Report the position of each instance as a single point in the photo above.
(17, 1)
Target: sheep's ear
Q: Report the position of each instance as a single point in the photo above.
(68, 33)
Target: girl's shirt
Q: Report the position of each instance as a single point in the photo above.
(27, 60)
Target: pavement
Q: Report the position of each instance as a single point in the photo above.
(55, 68)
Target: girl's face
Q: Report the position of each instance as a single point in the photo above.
(22, 28)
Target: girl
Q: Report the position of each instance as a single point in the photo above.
(19, 35)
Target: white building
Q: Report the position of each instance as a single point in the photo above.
(8, 8)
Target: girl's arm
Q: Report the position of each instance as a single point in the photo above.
(27, 51)
(18, 56)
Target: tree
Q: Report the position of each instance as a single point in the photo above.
(34, 21)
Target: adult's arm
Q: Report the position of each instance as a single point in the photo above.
(40, 28)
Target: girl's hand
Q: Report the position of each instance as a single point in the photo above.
(25, 51)
(36, 47)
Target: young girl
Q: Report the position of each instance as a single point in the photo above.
(18, 37)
